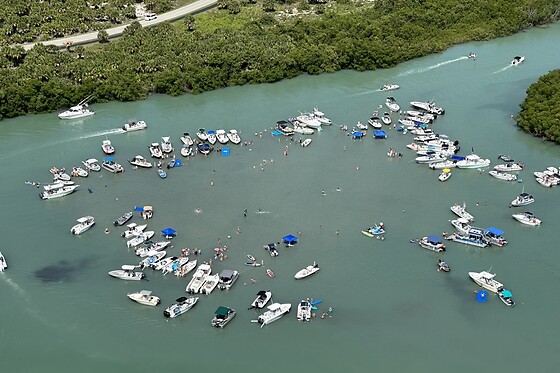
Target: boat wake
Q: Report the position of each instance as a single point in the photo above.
(440, 64)
(100, 133)
(502, 69)
(366, 93)
(16, 287)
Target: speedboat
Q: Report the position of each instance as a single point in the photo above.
(375, 122)
(502, 175)
(151, 260)
(263, 297)
(3, 263)
(304, 311)
(275, 311)
(445, 174)
(271, 248)
(433, 243)
(61, 191)
(309, 121)
(233, 136)
(107, 147)
(175, 265)
(222, 316)
(284, 127)
(163, 263)
(374, 231)
(320, 116)
(92, 164)
(133, 230)
(523, 199)
(443, 266)
(144, 236)
(212, 137)
(379, 134)
(461, 225)
(183, 305)
(166, 146)
(391, 104)
(362, 126)
(204, 148)
(473, 161)
(127, 272)
(517, 60)
(135, 125)
(386, 119)
(79, 171)
(432, 157)
(389, 87)
(297, 128)
(505, 158)
(486, 280)
(198, 279)
(186, 139)
(461, 211)
(443, 165)
(471, 55)
(508, 167)
(155, 150)
(201, 134)
(506, 297)
(222, 136)
(186, 151)
(227, 279)
(161, 172)
(140, 161)
(495, 236)
(147, 212)
(123, 218)
(150, 247)
(210, 284)
(144, 297)
(78, 111)
(186, 268)
(527, 218)
(110, 165)
(84, 223)
(307, 271)
(305, 143)
(474, 237)
(428, 107)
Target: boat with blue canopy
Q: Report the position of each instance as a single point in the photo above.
(169, 233)
(433, 243)
(495, 236)
(474, 237)
(506, 297)
(379, 134)
(290, 240)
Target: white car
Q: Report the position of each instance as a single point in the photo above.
(150, 16)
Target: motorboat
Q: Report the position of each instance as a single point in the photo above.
(233, 136)
(163, 263)
(309, 121)
(522, 199)
(320, 116)
(389, 87)
(445, 174)
(144, 297)
(362, 126)
(78, 111)
(3, 263)
(502, 175)
(123, 219)
(161, 172)
(386, 119)
(140, 161)
(307, 271)
(201, 134)
(183, 305)
(506, 297)
(107, 147)
(461, 211)
(92, 164)
(443, 266)
(144, 236)
(186, 269)
(84, 223)
(379, 134)
(375, 230)
(421, 114)
(222, 316)
(186, 151)
(186, 139)
(304, 311)
(198, 279)
(275, 311)
(509, 167)
(175, 265)
(204, 148)
(302, 130)
(210, 284)
(375, 122)
(263, 297)
(212, 138)
(474, 237)
(429, 107)
(133, 230)
(527, 218)
(443, 165)
(433, 243)
(486, 280)
(505, 158)
(461, 225)
(151, 260)
(392, 105)
(227, 279)
(269, 273)
(495, 236)
(147, 212)
(127, 272)
(305, 143)
(61, 191)
(79, 172)
(222, 136)
(150, 247)
(271, 248)
(432, 157)
(473, 161)
(155, 150)
(61, 176)
(472, 56)
(135, 125)
(517, 60)
(110, 165)
(356, 135)
(166, 145)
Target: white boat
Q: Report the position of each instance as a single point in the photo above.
(79, 172)
(186, 139)
(227, 279)
(92, 164)
(123, 218)
(144, 236)
(198, 279)
(472, 56)
(474, 237)
(302, 130)
(58, 192)
(486, 280)
(307, 271)
(155, 150)
(375, 122)
(133, 230)
(127, 272)
(461, 211)
(3, 263)
(166, 145)
(284, 127)
(61, 176)
(443, 165)
(186, 269)
(107, 147)
(305, 143)
(495, 236)
(202, 135)
(517, 60)
(309, 121)
(135, 125)
(462, 225)
(263, 297)
(509, 167)
(445, 174)
(443, 266)
(140, 161)
(110, 165)
(161, 264)
(275, 311)
(212, 138)
(304, 311)
(151, 247)
(431, 158)
(389, 87)
(473, 161)
(186, 151)
(175, 265)
(523, 199)
(502, 175)
(361, 126)
(151, 260)
(210, 284)
(78, 111)
(222, 137)
(392, 105)
(222, 316)
(144, 297)
(506, 297)
(233, 136)
(433, 243)
(183, 305)
(527, 218)
(320, 116)
(84, 223)
(429, 107)
(161, 172)
(386, 119)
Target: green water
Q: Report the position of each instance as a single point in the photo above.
(393, 312)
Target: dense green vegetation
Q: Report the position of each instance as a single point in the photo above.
(253, 44)
(540, 111)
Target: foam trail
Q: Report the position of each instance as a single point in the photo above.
(99, 133)
(367, 92)
(503, 69)
(16, 287)
(424, 69)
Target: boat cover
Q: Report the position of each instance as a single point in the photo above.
(290, 239)
(222, 311)
(506, 293)
(169, 231)
(108, 159)
(457, 158)
(379, 133)
(495, 231)
(138, 208)
(434, 239)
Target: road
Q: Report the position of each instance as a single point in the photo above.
(91, 37)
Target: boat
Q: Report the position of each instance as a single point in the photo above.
(473, 161)
(161, 172)
(201, 134)
(253, 264)
(509, 167)
(175, 265)
(495, 236)
(445, 174)
(210, 284)
(163, 263)
(79, 172)
(152, 259)
(133, 230)
(302, 130)
(433, 243)
(222, 316)
(357, 135)
(275, 311)
(127, 272)
(376, 230)
(361, 126)
(263, 297)
(474, 237)
(320, 116)
(186, 151)
(198, 279)
(186, 139)
(107, 147)
(386, 119)
(431, 157)
(375, 122)
(166, 145)
(472, 56)
(391, 104)
(84, 223)
(227, 278)
(222, 137)
(506, 297)
(428, 107)
(147, 212)
(305, 143)
(443, 266)
(389, 87)
(78, 111)
(3, 263)
(212, 137)
(155, 150)
(307, 271)
(304, 311)
(379, 134)
(271, 248)
(527, 218)
(233, 136)
(150, 247)
(92, 164)
(505, 158)
(522, 199)
(123, 219)
(461, 211)
(269, 273)
(251, 258)
(443, 165)
(517, 60)
(135, 125)
(142, 237)
(502, 175)
(309, 120)
(183, 305)
(186, 269)
(140, 161)
(486, 280)
(145, 297)
(204, 148)
(61, 191)
(461, 225)
(110, 165)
